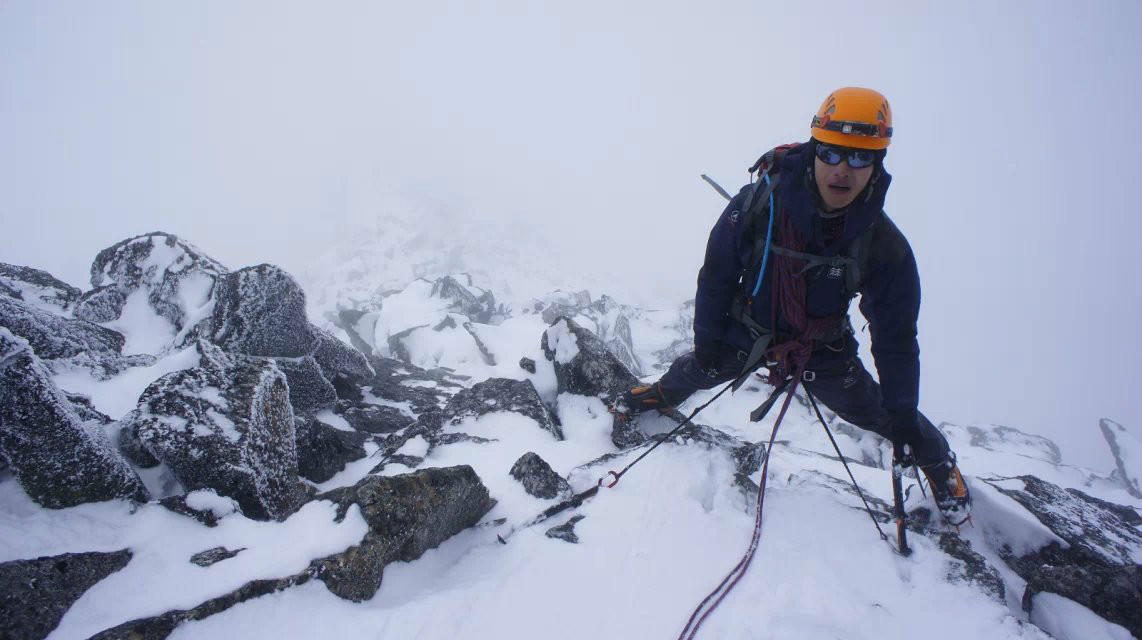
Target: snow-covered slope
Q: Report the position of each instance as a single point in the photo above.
(646, 552)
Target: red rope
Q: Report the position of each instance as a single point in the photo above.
(715, 597)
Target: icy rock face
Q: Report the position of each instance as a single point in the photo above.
(53, 337)
(337, 358)
(501, 394)
(1009, 439)
(37, 288)
(400, 382)
(260, 311)
(407, 515)
(1127, 450)
(177, 277)
(226, 425)
(37, 593)
(583, 364)
(476, 303)
(538, 478)
(1099, 569)
(60, 459)
(606, 318)
(322, 450)
(309, 390)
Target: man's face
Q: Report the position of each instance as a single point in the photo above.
(839, 184)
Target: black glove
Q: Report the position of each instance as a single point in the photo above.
(706, 353)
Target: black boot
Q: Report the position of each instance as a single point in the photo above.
(949, 490)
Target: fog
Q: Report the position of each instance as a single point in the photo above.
(264, 131)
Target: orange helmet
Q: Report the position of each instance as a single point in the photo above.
(854, 117)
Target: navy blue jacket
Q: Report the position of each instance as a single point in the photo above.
(890, 290)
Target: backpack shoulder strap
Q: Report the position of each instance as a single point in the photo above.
(860, 251)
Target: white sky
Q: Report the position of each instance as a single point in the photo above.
(259, 130)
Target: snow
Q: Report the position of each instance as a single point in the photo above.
(562, 342)
(145, 330)
(332, 419)
(1066, 619)
(118, 395)
(416, 447)
(209, 500)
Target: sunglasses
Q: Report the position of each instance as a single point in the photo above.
(857, 158)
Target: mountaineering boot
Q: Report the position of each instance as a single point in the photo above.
(949, 490)
(639, 399)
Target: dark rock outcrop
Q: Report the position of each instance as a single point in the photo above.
(407, 515)
(527, 364)
(565, 531)
(322, 450)
(374, 418)
(35, 594)
(37, 288)
(337, 358)
(501, 394)
(53, 336)
(225, 425)
(1127, 451)
(214, 556)
(538, 478)
(309, 390)
(60, 459)
(178, 278)
(260, 311)
(583, 364)
(1097, 569)
(478, 304)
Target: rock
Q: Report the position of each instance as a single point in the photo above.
(373, 418)
(354, 322)
(538, 478)
(214, 556)
(407, 515)
(59, 459)
(476, 303)
(176, 278)
(965, 564)
(226, 425)
(501, 394)
(583, 365)
(85, 409)
(565, 531)
(625, 432)
(37, 288)
(260, 311)
(1096, 570)
(53, 336)
(37, 593)
(323, 451)
(101, 304)
(397, 381)
(1126, 447)
(527, 364)
(309, 390)
(337, 358)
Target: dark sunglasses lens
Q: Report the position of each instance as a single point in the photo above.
(861, 159)
(829, 155)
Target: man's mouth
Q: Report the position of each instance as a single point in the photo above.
(837, 188)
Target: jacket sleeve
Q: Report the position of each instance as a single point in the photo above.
(890, 300)
(719, 278)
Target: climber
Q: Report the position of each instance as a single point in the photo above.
(774, 291)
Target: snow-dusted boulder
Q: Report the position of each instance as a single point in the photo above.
(323, 450)
(52, 336)
(465, 298)
(60, 459)
(501, 394)
(226, 425)
(337, 358)
(374, 418)
(1126, 447)
(37, 288)
(407, 515)
(583, 364)
(37, 593)
(399, 382)
(538, 478)
(1094, 558)
(260, 311)
(309, 390)
(204, 505)
(159, 271)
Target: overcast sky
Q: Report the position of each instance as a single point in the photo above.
(261, 130)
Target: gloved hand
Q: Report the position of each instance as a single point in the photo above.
(905, 428)
(706, 353)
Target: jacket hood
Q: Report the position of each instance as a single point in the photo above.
(798, 193)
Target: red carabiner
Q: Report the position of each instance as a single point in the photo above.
(611, 485)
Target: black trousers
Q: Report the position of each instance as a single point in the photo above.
(840, 382)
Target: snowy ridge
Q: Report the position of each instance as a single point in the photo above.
(273, 516)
